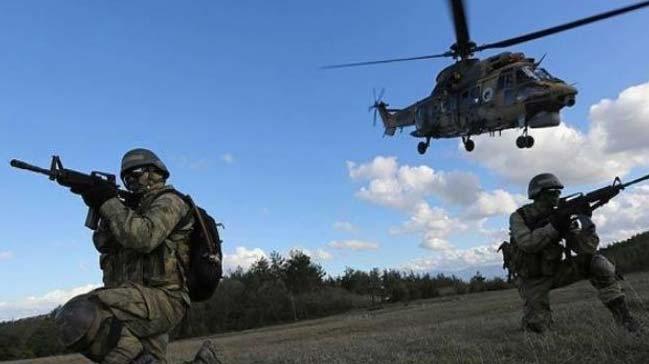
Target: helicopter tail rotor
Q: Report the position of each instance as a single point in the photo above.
(378, 101)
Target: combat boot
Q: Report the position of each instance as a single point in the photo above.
(206, 354)
(145, 358)
(621, 314)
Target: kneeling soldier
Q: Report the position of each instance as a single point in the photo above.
(537, 231)
(144, 245)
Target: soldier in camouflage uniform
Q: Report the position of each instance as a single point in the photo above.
(540, 263)
(144, 245)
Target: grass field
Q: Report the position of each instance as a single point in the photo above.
(475, 328)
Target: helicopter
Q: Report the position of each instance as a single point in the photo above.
(474, 96)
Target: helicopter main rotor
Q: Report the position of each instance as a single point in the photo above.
(463, 47)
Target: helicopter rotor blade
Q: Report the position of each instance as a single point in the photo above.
(462, 37)
(445, 54)
(560, 28)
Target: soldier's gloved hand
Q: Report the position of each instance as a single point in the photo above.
(95, 196)
(560, 222)
(132, 200)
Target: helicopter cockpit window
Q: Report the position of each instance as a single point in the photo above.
(542, 74)
(505, 80)
(524, 74)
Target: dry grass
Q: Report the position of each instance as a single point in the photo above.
(477, 328)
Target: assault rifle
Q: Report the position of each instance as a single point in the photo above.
(579, 203)
(75, 180)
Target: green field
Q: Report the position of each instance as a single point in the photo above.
(474, 328)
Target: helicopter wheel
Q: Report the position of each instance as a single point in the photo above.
(422, 147)
(521, 142)
(529, 141)
(469, 145)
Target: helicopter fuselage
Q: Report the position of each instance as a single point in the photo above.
(474, 96)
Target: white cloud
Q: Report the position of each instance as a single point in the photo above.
(407, 188)
(242, 257)
(320, 255)
(431, 242)
(404, 186)
(624, 121)
(623, 216)
(497, 234)
(456, 259)
(6, 255)
(381, 167)
(497, 202)
(353, 245)
(433, 221)
(227, 158)
(344, 226)
(613, 145)
(37, 305)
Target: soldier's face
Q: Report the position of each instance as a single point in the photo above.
(136, 180)
(549, 198)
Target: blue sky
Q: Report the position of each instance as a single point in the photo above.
(229, 94)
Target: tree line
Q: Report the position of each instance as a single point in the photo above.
(281, 289)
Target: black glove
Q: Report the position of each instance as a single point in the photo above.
(560, 222)
(132, 200)
(95, 196)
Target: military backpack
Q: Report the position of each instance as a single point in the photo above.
(204, 270)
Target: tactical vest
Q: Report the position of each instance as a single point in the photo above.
(535, 265)
(161, 267)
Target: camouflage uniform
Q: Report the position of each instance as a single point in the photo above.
(541, 267)
(144, 294)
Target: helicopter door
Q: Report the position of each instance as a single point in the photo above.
(506, 87)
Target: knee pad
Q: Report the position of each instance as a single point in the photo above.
(77, 322)
(85, 327)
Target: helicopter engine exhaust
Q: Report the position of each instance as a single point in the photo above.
(544, 119)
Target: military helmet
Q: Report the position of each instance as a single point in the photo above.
(543, 181)
(140, 157)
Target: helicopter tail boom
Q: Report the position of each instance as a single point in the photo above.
(393, 118)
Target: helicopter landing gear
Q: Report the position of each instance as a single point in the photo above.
(525, 141)
(423, 146)
(469, 145)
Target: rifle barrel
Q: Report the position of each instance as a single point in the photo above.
(23, 165)
(645, 177)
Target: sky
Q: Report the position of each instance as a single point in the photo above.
(231, 97)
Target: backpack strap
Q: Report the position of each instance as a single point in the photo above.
(199, 221)
(181, 262)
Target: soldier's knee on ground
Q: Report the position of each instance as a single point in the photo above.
(84, 326)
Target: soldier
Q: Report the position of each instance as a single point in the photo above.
(537, 231)
(144, 245)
